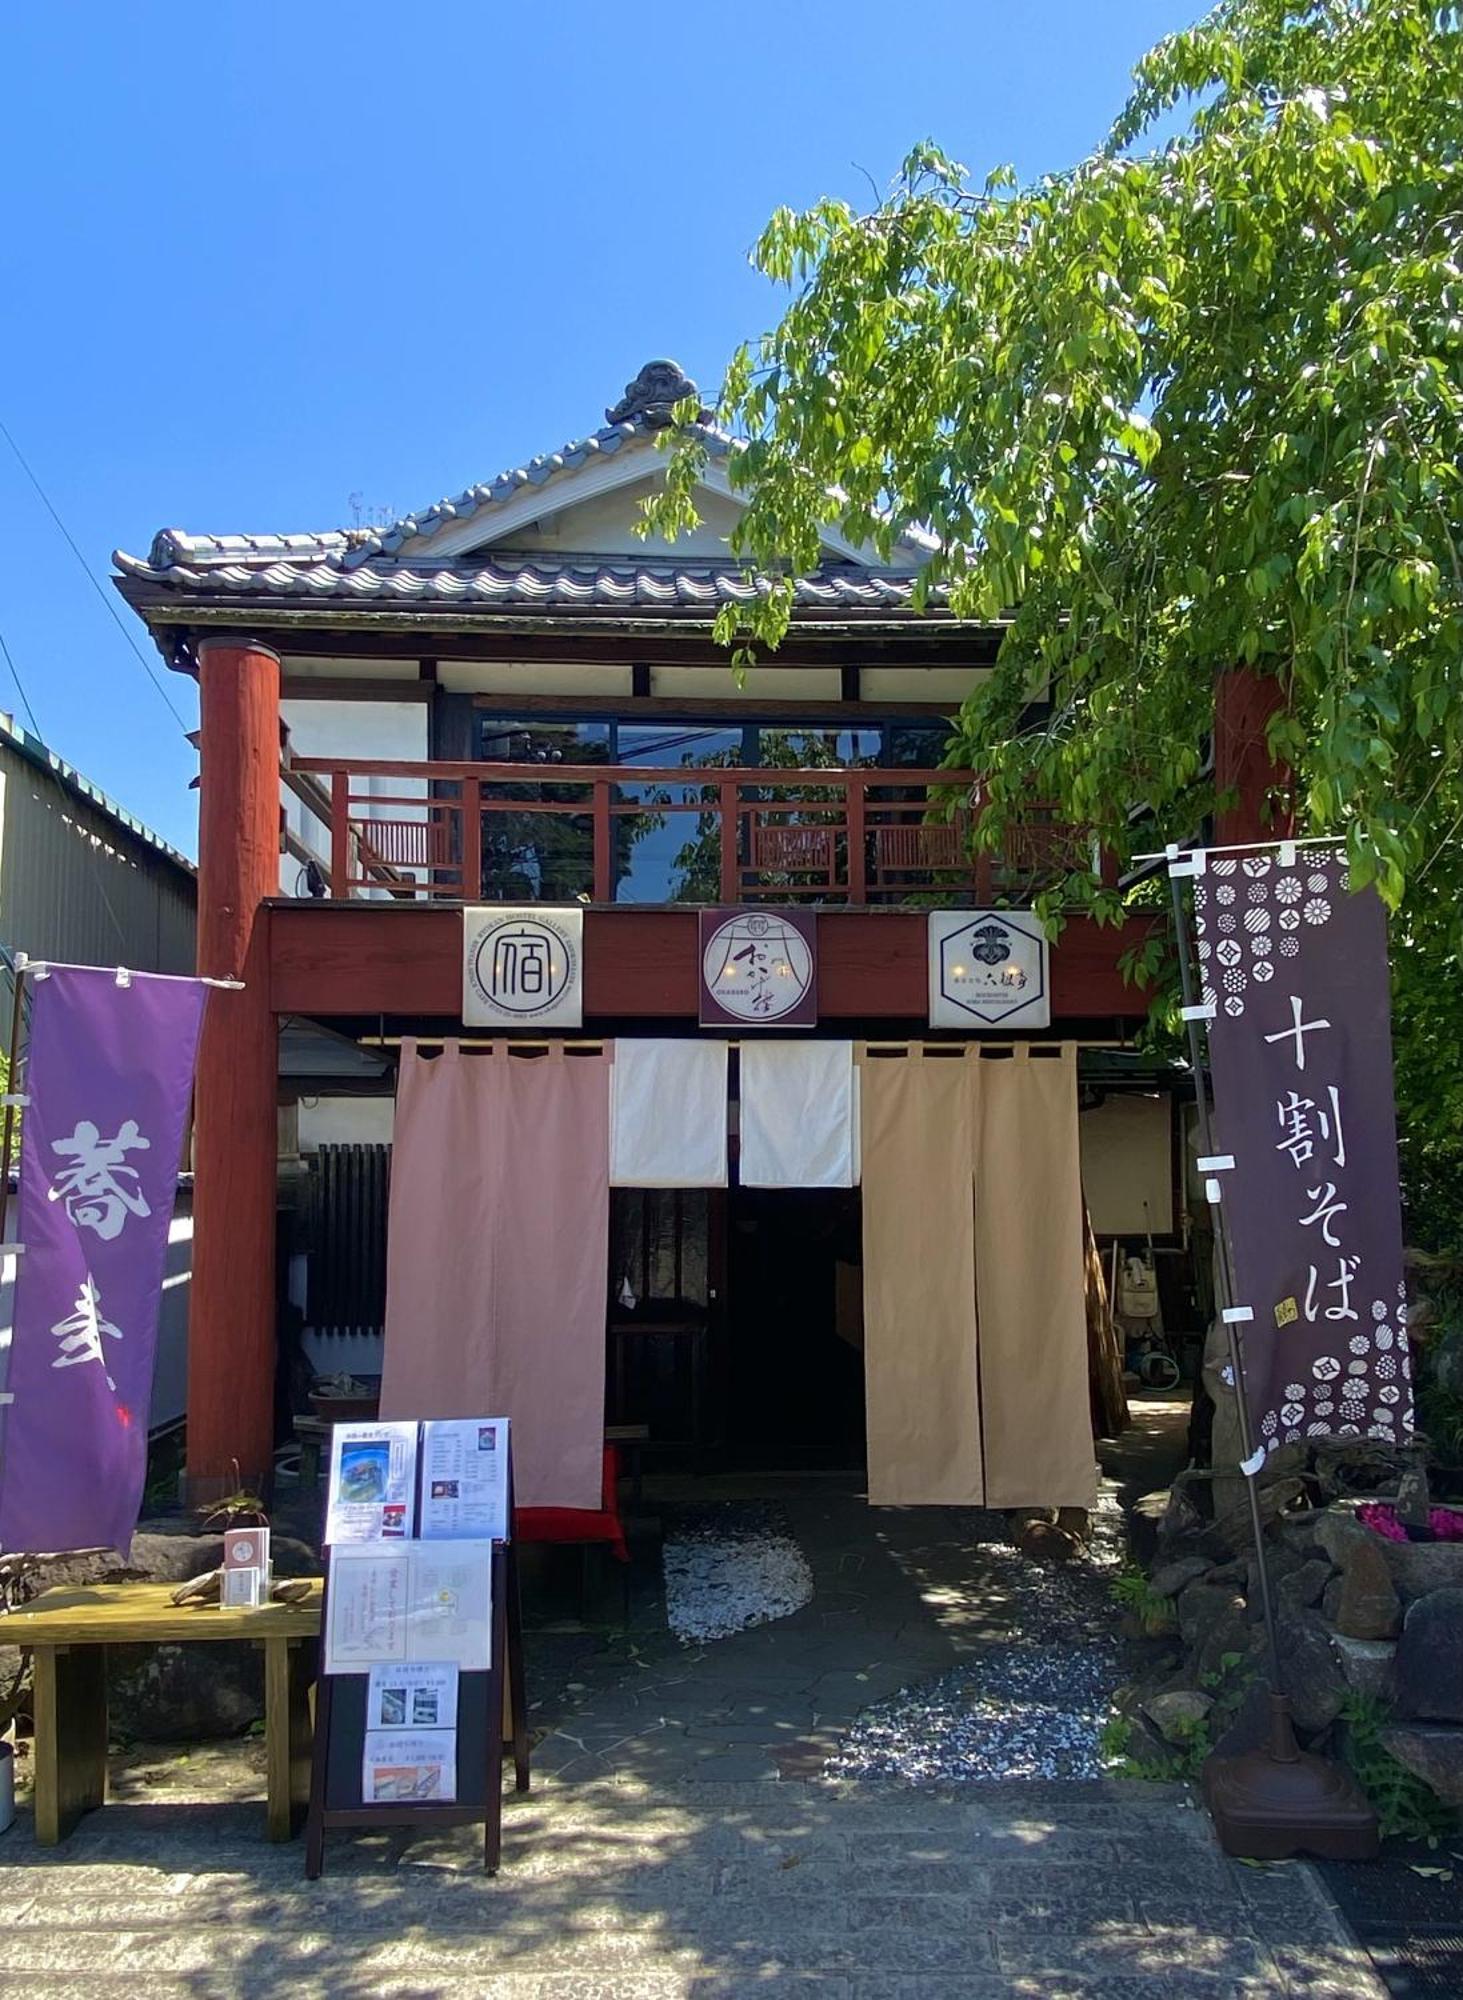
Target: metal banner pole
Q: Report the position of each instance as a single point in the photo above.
(13, 1097)
(1224, 1275)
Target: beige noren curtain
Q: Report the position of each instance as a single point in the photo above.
(975, 1336)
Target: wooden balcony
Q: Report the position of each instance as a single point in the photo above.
(654, 835)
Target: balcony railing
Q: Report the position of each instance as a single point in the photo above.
(657, 834)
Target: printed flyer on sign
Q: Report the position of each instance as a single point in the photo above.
(450, 1603)
(465, 1479)
(372, 1482)
(368, 1601)
(412, 1694)
(407, 1767)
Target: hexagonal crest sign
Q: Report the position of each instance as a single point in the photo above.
(988, 969)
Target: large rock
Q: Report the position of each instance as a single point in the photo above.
(1302, 1587)
(175, 1694)
(1310, 1672)
(1201, 1607)
(1419, 1568)
(1233, 1528)
(1249, 1727)
(1433, 1752)
(1044, 1541)
(1227, 1643)
(1171, 1577)
(168, 1694)
(1368, 1607)
(1430, 1659)
(1178, 1713)
(1338, 1532)
(1368, 1666)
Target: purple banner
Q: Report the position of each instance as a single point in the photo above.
(1301, 1054)
(108, 1076)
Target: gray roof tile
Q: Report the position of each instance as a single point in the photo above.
(395, 562)
(609, 584)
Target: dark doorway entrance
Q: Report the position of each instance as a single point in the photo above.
(793, 1357)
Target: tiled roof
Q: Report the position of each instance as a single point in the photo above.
(611, 584)
(352, 548)
(396, 563)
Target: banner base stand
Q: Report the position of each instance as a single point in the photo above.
(1278, 1801)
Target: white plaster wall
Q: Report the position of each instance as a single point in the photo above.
(899, 684)
(1127, 1160)
(605, 526)
(517, 677)
(758, 684)
(345, 1121)
(366, 729)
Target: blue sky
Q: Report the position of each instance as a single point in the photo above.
(257, 260)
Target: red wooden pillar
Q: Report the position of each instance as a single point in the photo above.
(1263, 808)
(231, 1321)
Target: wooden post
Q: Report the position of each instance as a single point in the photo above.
(340, 834)
(726, 795)
(857, 797)
(472, 840)
(1244, 702)
(604, 841)
(231, 1330)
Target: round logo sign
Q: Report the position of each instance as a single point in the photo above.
(522, 966)
(757, 968)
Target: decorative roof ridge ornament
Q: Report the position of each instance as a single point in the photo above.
(652, 397)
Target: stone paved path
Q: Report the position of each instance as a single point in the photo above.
(680, 1840)
(900, 1595)
(618, 1891)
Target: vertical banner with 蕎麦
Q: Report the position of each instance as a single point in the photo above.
(108, 1079)
(1295, 966)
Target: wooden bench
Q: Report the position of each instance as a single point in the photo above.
(68, 1632)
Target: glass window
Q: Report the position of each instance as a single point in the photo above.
(918, 746)
(534, 856)
(669, 850)
(806, 747)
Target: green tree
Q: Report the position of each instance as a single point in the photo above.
(1194, 403)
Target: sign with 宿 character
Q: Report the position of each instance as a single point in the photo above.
(759, 969)
(1294, 965)
(988, 969)
(522, 967)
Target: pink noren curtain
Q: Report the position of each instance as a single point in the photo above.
(497, 1254)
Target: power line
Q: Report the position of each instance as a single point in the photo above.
(91, 577)
(20, 688)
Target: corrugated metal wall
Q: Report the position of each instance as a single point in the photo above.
(76, 886)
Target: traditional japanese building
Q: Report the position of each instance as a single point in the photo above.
(510, 697)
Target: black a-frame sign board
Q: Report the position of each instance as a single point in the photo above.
(491, 1710)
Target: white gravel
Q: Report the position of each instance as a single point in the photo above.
(718, 1583)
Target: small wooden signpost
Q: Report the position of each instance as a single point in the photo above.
(491, 1709)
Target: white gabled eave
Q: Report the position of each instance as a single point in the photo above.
(575, 486)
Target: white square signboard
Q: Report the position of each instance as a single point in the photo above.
(522, 966)
(988, 969)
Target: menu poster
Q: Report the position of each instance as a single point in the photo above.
(407, 1767)
(412, 1694)
(372, 1482)
(465, 1479)
(450, 1603)
(368, 1590)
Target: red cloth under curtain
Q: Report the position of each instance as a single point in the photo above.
(497, 1257)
